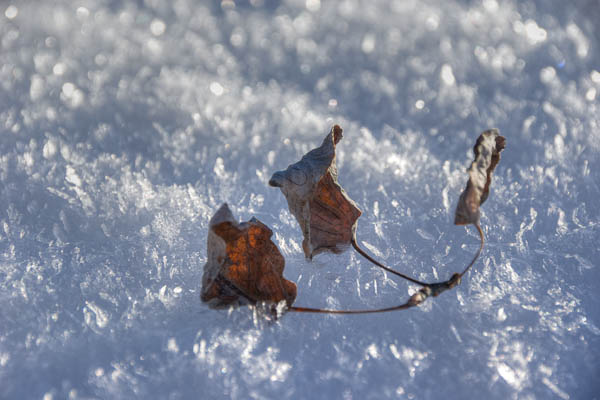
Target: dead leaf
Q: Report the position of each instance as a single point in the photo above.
(327, 216)
(244, 265)
(487, 155)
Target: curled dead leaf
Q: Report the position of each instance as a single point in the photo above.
(487, 155)
(327, 216)
(244, 265)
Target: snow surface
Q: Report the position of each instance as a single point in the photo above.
(125, 124)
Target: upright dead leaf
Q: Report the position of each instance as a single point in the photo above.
(487, 155)
(324, 211)
(244, 265)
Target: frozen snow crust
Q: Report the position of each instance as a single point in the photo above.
(124, 125)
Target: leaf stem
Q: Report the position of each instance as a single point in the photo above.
(428, 289)
(368, 257)
(328, 311)
(482, 238)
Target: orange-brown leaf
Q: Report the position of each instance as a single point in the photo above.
(244, 265)
(327, 216)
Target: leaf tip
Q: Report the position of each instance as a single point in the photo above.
(337, 133)
(276, 180)
(223, 214)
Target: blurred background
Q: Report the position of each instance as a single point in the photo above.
(124, 125)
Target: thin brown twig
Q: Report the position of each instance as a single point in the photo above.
(482, 238)
(428, 289)
(368, 257)
(327, 311)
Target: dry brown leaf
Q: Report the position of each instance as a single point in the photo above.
(244, 265)
(327, 216)
(487, 155)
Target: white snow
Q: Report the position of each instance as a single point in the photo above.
(125, 125)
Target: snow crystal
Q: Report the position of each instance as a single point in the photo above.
(157, 27)
(447, 75)
(11, 12)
